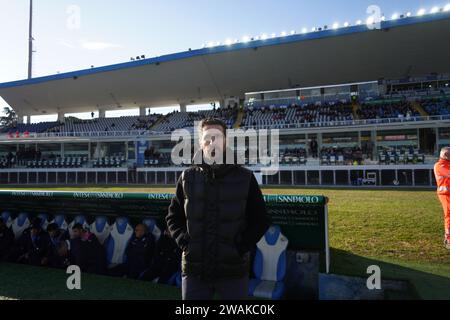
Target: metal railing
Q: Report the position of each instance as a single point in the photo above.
(326, 98)
(84, 134)
(299, 125)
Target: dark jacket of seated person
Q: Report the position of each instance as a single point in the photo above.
(86, 251)
(64, 257)
(56, 237)
(167, 260)
(34, 246)
(6, 241)
(93, 255)
(140, 252)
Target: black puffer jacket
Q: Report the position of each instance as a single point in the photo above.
(217, 215)
(140, 253)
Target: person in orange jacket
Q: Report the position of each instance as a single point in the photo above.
(442, 174)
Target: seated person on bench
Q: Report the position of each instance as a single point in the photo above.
(86, 251)
(56, 237)
(140, 251)
(34, 245)
(167, 260)
(6, 241)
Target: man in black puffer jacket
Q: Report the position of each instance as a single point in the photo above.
(216, 217)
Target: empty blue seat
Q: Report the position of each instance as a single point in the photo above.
(152, 228)
(101, 228)
(20, 224)
(269, 265)
(7, 218)
(44, 220)
(60, 220)
(116, 243)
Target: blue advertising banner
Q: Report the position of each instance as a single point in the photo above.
(142, 145)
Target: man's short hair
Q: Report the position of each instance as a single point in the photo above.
(444, 150)
(212, 122)
(143, 225)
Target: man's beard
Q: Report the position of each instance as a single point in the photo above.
(214, 156)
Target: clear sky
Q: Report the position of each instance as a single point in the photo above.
(73, 35)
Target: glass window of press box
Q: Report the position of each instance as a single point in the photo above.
(340, 140)
(293, 142)
(108, 149)
(397, 139)
(6, 149)
(76, 149)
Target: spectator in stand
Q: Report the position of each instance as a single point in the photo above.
(313, 147)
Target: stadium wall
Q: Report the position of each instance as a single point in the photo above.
(413, 176)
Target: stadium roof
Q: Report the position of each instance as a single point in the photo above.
(413, 46)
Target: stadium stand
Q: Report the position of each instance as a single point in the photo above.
(36, 127)
(258, 115)
(341, 156)
(401, 156)
(58, 162)
(261, 115)
(180, 120)
(294, 156)
(437, 107)
(116, 161)
(73, 125)
(6, 162)
(162, 160)
(146, 123)
(280, 116)
(401, 109)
